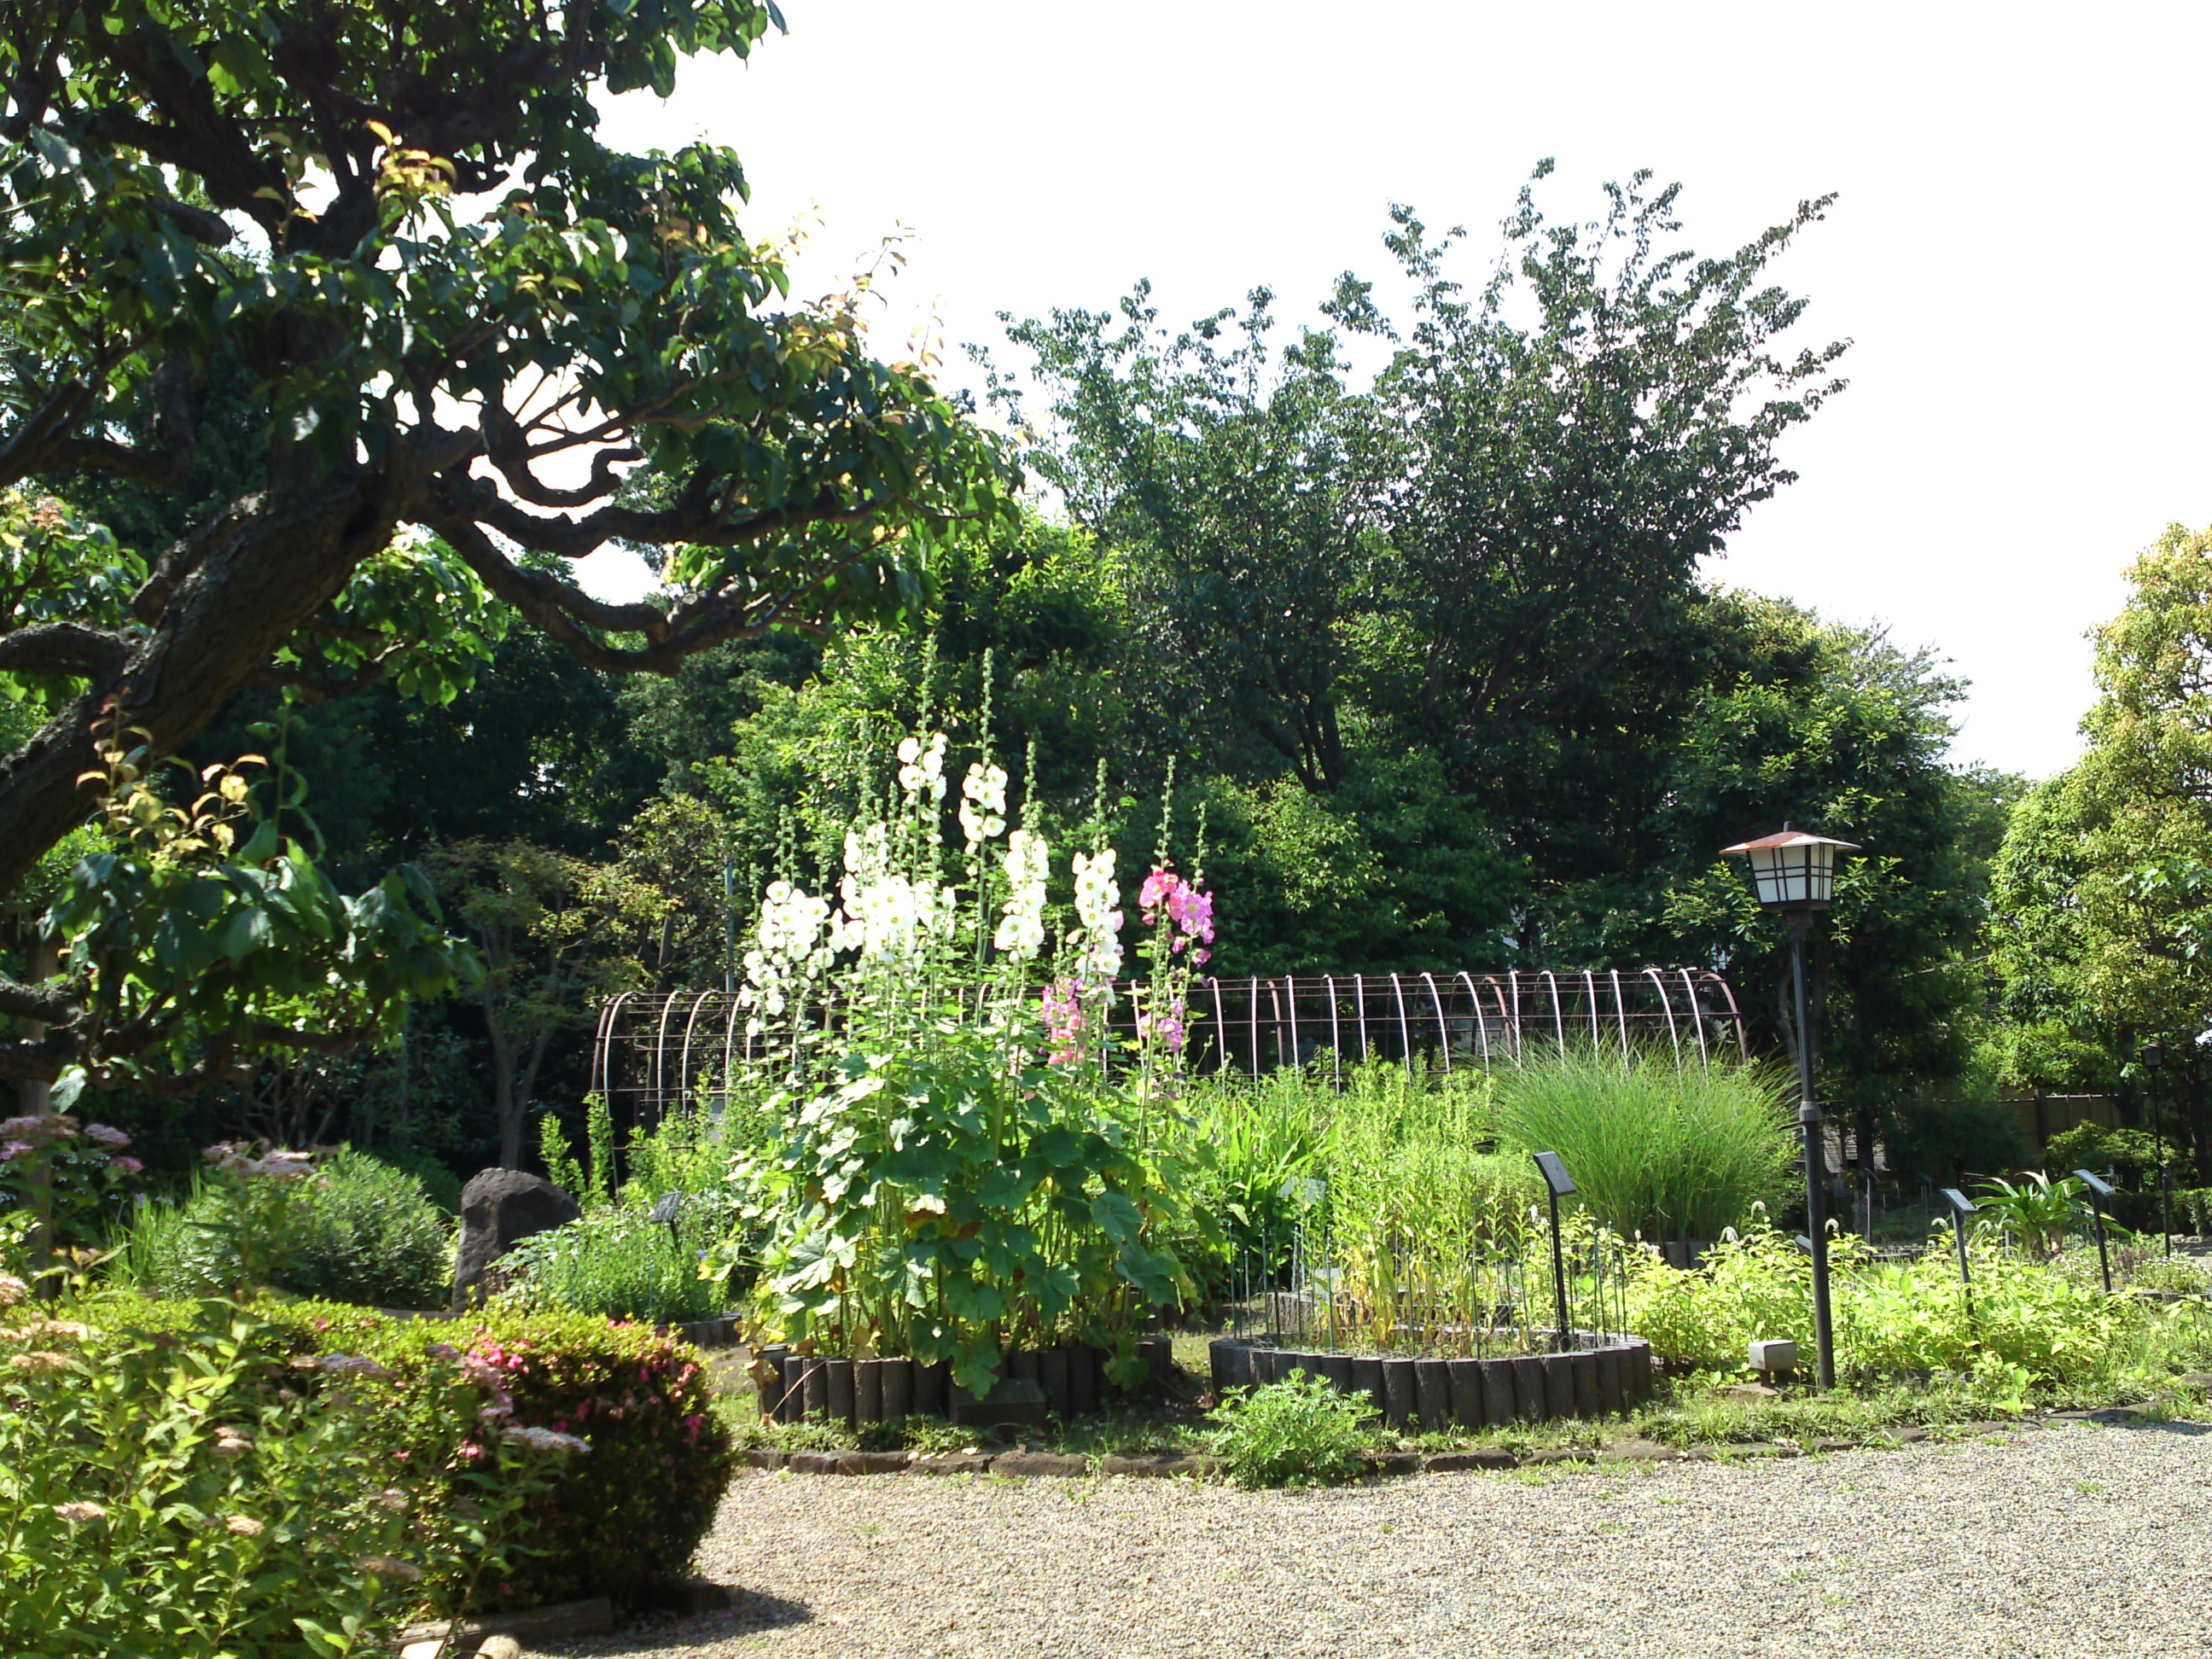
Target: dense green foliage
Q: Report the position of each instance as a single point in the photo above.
(176, 1487)
(356, 1230)
(314, 241)
(2104, 894)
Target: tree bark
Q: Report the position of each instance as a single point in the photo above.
(247, 587)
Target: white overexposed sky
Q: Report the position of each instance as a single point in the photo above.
(2019, 251)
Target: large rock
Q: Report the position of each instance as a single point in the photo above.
(499, 1209)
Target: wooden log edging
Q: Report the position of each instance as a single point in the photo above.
(1606, 1374)
(1069, 1381)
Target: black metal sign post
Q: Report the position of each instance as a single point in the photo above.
(1558, 1183)
(2099, 1192)
(1962, 1207)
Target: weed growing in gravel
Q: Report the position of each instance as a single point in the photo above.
(1297, 1433)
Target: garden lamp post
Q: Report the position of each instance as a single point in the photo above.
(1793, 874)
(2153, 1059)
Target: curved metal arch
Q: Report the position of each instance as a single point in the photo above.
(1335, 1032)
(1443, 1030)
(1405, 1031)
(1666, 1006)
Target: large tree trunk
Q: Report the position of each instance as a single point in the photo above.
(242, 588)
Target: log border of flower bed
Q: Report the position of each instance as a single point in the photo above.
(1600, 1374)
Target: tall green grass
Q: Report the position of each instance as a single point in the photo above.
(1658, 1149)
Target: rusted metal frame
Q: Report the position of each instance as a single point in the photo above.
(729, 1041)
(683, 1065)
(660, 1053)
(1736, 1014)
(1697, 1020)
(1275, 1002)
(602, 1073)
(1481, 1019)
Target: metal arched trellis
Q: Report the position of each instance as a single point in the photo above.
(656, 1052)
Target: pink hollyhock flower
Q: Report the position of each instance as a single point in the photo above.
(1158, 886)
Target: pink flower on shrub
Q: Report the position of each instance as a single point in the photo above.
(14, 1149)
(101, 1135)
(126, 1166)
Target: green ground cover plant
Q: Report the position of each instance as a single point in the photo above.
(1296, 1433)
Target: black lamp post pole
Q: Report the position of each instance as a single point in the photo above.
(1816, 1155)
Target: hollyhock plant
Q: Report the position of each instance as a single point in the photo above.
(955, 1180)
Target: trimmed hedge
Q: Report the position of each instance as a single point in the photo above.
(627, 1514)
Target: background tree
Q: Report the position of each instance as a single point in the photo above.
(557, 935)
(2103, 920)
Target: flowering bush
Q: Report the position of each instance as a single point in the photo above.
(172, 1486)
(952, 1183)
(625, 1509)
(83, 1170)
(631, 1512)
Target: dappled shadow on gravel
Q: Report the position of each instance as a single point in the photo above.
(754, 1615)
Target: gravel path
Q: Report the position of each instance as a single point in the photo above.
(2072, 1539)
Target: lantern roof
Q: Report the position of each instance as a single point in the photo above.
(1790, 837)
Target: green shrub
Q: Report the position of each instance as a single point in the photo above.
(1659, 1150)
(2056, 1329)
(619, 1263)
(351, 1229)
(1301, 1432)
(616, 1519)
(634, 1510)
(2132, 1155)
(1943, 1139)
(173, 1488)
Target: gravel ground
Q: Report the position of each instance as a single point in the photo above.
(2046, 1544)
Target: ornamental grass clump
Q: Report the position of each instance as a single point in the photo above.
(1300, 1433)
(1422, 1228)
(1658, 1149)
